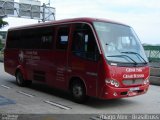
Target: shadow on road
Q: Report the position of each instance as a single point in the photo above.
(41, 87)
(114, 103)
(92, 102)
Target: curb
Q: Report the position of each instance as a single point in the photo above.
(154, 80)
(154, 71)
(154, 76)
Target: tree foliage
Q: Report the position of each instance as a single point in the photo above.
(3, 23)
(1, 45)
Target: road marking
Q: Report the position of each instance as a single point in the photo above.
(5, 86)
(96, 118)
(26, 94)
(57, 105)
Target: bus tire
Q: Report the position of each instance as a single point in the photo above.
(21, 81)
(78, 91)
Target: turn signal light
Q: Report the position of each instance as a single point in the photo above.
(146, 81)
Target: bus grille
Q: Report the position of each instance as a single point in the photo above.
(133, 82)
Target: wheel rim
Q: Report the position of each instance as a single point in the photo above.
(77, 91)
(19, 78)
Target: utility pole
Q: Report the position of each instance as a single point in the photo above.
(43, 14)
(49, 3)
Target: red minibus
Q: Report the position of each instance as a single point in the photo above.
(86, 56)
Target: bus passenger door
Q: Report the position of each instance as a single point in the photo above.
(83, 58)
(62, 38)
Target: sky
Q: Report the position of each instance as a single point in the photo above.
(142, 15)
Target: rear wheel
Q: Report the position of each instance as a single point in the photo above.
(78, 91)
(21, 81)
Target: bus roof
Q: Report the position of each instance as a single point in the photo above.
(84, 19)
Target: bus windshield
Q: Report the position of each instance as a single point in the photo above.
(120, 43)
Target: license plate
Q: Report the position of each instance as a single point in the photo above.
(131, 93)
(134, 89)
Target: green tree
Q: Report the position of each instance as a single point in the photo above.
(3, 23)
(1, 45)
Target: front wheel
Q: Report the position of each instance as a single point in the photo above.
(78, 92)
(21, 81)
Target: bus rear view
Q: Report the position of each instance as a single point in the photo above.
(85, 56)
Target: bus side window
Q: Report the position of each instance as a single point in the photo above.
(13, 39)
(78, 46)
(62, 38)
(84, 43)
(47, 38)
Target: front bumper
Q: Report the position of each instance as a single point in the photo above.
(109, 92)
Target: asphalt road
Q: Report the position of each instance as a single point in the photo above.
(40, 99)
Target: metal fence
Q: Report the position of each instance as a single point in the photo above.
(152, 52)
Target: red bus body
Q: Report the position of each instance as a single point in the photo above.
(59, 67)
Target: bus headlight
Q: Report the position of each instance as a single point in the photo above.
(112, 82)
(146, 81)
(116, 84)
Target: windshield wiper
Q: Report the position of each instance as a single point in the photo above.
(130, 52)
(123, 57)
